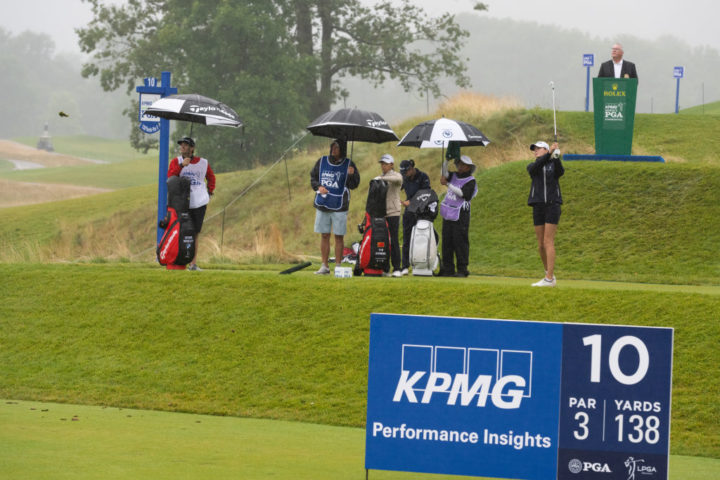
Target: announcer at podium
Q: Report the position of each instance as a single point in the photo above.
(617, 67)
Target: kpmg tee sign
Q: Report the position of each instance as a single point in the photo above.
(483, 397)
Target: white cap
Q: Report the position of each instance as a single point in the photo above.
(540, 144)
(387, 158)
(466, 160)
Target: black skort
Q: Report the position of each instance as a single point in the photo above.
(546, 213)
(197, 215)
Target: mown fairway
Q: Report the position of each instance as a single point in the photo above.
(259, 344)
(57, 441)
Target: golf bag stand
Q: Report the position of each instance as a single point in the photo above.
(177, 245)
(374, 255)
(423, 254)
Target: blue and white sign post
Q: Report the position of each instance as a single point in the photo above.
(150, 92)
(678, 72)
(515, 399)
(588, 61)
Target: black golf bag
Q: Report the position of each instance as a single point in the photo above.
(177, 245)
(424, 257)
(374, 255)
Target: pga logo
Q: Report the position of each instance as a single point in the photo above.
(577, 466)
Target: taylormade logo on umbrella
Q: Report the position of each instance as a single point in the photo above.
(210, 108)
(376, 123)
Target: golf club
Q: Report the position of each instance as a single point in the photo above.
(552, 85)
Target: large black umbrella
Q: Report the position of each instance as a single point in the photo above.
(439, 133)
(195, 108)
(353, 125)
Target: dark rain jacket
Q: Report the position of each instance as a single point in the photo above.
(545, 172)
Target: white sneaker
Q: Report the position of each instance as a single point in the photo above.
(545, 283)
(193, 267)
(324, 270)
(397, 273)
(386, 274)
(405, 271)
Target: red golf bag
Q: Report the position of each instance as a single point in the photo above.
(177, 245)
(374, 255)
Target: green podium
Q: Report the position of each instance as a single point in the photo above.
(614, 104)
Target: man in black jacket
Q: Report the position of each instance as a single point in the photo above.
(617, 67)
(545, 198)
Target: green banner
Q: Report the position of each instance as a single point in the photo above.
(614, 103)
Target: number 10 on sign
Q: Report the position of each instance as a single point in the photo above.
(615, 400)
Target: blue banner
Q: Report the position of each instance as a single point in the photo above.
(515, 399)
(463, 396)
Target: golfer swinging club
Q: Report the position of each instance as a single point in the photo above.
(545, 198)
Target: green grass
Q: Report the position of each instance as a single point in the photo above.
(95, 148)
(627, 222)
(113, 443)
(262, 345)
(712, 108)
(655, 223)
(123, 167)
(130, 173)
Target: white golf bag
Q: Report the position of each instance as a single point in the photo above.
(423, 249)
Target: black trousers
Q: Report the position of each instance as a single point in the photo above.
(455, 245)
(409, 221)
(394, 229)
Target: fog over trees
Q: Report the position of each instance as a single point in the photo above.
(497, 57)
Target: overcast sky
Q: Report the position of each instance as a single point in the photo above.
(694, 21)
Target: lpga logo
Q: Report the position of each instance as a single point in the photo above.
(469, 375)
(634, 466)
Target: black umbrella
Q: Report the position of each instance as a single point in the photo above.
(195, 108)
(353, 125)
(439, 133)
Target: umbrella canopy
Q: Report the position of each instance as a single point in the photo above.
(195, 108)
(439, 133)
(353, 125)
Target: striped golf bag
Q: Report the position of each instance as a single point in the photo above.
(177, 245)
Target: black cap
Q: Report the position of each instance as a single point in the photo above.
(406, 165)
(187, 140)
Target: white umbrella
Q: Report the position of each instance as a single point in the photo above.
(439, 133)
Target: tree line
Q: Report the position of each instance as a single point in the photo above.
(278, 63)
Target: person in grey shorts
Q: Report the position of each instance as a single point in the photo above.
(332, 178)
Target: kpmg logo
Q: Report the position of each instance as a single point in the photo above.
(637, 468)
(464, 376)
